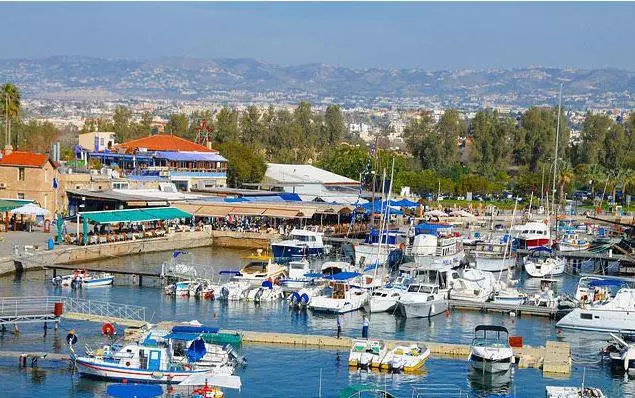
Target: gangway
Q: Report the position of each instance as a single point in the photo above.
(16, 310)
(438, 390)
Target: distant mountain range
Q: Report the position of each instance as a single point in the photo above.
(85, 78)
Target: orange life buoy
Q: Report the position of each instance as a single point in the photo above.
(108, 329)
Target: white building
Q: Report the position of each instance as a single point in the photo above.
(97, 141)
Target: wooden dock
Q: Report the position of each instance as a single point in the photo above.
(518, 310)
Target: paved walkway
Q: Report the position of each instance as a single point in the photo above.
(21, 238)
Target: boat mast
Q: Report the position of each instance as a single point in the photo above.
(555, 165)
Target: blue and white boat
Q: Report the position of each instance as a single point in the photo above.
(299, 275)
(378, 245)
(301, 243)
(81, 278)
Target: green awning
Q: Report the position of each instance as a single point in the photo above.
(135, 215)
(10, 204)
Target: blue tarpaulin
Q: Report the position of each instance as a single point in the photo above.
(432, 229)
(196, 351)
(134, 390)
(194, 329)
(313, 275)
(342, 276)
(379, 207)
(182, 336)
(292, 197)
(607, 282)
(191, 156)
(404, 203)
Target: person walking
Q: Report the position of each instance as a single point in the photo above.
(339, 325)
(364, 326)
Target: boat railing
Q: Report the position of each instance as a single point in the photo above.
(438, 390)
(20, 306)
(103, 308)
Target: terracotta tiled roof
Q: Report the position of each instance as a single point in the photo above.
(164, 142)
(25, 159)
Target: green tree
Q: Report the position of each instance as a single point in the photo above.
(35, 136)
(491, 147)
(593, 137)
(226, 125)
(244, 164)
(10, 96)
(334, 121)
(121, 123)
(177, 125)
(539, 125)
(422, 141)
(450, 127)
(252, 129)
(345, 160)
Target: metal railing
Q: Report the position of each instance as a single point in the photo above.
(37, 306)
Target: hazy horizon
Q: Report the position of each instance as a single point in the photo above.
(429, 36)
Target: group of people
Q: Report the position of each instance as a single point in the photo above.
(365, 325)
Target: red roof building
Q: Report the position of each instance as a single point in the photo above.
(163, 142)
(24, 159)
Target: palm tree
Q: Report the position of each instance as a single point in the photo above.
(565, 176)
(10, 96)
(594, 174)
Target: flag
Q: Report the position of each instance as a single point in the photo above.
(54, 183)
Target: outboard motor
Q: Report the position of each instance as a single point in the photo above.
(294, 299)
(258, 294)
(224, 293)
(236, 357)
(304, 299)
(57, 281)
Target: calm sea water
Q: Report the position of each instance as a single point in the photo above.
(294, 372)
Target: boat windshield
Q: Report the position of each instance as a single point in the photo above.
(420, 289)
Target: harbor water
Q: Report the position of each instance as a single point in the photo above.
(278, 371)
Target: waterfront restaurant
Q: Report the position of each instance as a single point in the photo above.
(185, 163)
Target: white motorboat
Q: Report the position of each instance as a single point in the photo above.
(81, 278)
(539, 265)
(473, 285)
(182, 288)
(572, 242)
(607, 314)
(404, 358)
(301, 298)
(494, 256)
(343, 298)
(234, 290)
(621, 354)
(421, 300)
(299, 275)
(301, 243)
(574, 392)
(437, 247)
(259, 268)
(384, 299)
(367, 354)
(589, 288)
(532, 235)
(491, 351)
(377, 246)
(509, 295)
(266, 292)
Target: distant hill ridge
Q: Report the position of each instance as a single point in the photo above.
(193, 78)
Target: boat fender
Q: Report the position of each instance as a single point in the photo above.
(128, 363)
(107, 329)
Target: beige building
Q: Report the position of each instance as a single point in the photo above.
(97, 141)
(27, 175)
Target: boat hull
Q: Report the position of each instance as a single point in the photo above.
(551, 266)
(290, 251)
(490, 366)
(494, 264)
(94, 369)
(422, 310)
(381, 304)
(598, 320)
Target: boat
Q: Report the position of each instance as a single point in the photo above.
(210, 385)
(509, 295)
(335, 267)
(384, 299)
(81, 278)
(266, 292)
(301, 298)
(182, 288)
(406, 358)
(589, 287)
(473, 285)
(377, 246)
(494, 256)
(571, 243)
(421, 300)
(259, 268)
(605, 313)
(234, 290)
(436, 247)
(491, 351)
(366, 354)
(301, 243)
(573, 392)
(532, 235)
(621, 354)
(539, 265)
(343, 297)
(299, 275)
(546, 296)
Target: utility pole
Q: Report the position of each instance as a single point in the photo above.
(555, 162)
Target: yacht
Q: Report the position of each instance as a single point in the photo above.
(259, 268)
(404, 358)
(81, 278)
(491, 351)
(377, 246)
(494, 256)
(343, 297)
(621, 355)
(384, 299)
(435, 246)
(298, 275)
(266, 292)
(301, 243)
(539, 265)
(532, 235)
(421, 300)
(473, 285)
(607, 314)
(571, 243)
(367, 354)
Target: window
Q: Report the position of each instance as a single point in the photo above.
(20, 173)
(586, 316)
(20, 196)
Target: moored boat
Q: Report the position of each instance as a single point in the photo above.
(81, 278)
(421, 300)
(301, 243)
(491, 351)
(404, 358)
(366, 354)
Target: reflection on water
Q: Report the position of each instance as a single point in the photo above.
(490, 383)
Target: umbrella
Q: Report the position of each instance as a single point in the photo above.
(30, 209)
(437, 213)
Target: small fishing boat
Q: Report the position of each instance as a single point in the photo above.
(367, 354)
(621, 354)
(80, 278)
(234, 290)
(421, 300)
(574, 392)
(301, 243)
(343, 298)
(571, 243)
(259, 268)
(491, 351)
(539, 265)
(266, 292)
(406, 358)
(299, 275)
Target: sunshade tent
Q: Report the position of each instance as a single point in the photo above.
(10, 204)
(135, 215)
(30, 209)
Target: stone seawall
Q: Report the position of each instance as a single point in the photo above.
(243, 240)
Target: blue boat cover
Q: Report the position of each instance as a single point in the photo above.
(182, 336)
(267, 284)
(313, 275)
(229, 272)
(289, 196)
(404, 203)
(607, 282)
(134, 390)
(197, 350)
(431, 229)
(541, 249)
(342, 276)
(194, 329)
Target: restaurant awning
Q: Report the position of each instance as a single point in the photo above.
(135, 215)
(10, 204)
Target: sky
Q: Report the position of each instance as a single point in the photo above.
(405, 35)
